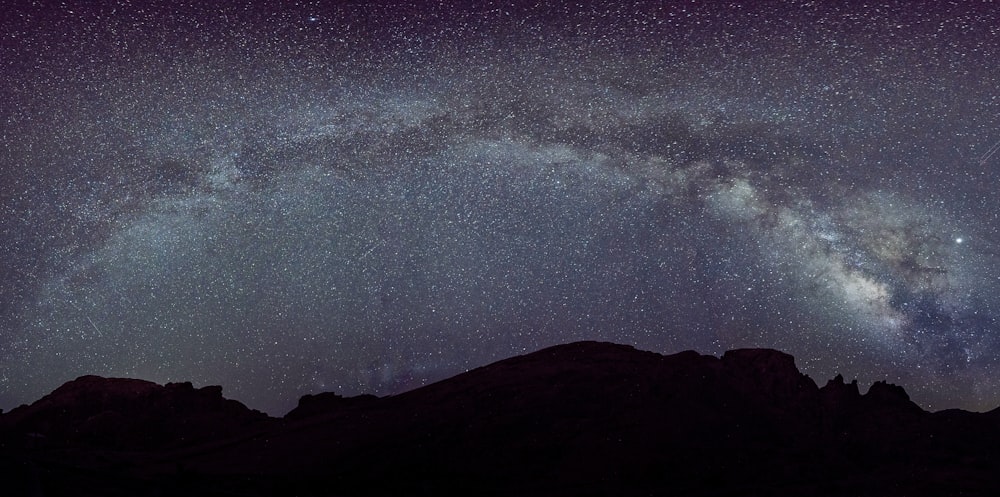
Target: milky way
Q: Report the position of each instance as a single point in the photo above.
(309, 197)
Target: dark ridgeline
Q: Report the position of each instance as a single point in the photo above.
(585, 418)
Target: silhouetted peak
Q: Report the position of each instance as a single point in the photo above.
(588, 350)
(763, 360)
(326, 402)
(769, 372)
(837, 387)
(102, 387)
(884, 393)
(884, 390)
(86, 395)
(762, 363)
(841, 403)
(123, 412)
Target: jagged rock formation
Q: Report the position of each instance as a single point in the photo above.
(585, 418)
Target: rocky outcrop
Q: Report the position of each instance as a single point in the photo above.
(326, 403)
(121, 413)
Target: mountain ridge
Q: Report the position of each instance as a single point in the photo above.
(581, 418)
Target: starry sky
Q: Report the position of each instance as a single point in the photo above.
(293, 197)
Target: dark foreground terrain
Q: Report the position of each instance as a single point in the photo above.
(579, 419)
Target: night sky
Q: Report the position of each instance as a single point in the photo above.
(288, 198)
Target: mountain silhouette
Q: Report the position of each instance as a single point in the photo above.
(584, 418)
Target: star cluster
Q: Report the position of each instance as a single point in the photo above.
(286, 198)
